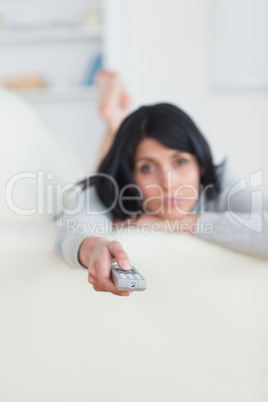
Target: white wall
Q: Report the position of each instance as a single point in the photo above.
(169, 57)
(164, 51)
(62, 64)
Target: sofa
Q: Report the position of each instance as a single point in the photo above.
(198, 333)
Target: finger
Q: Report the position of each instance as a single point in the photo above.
(103, 269)
(104, 283)
(93, 281)
(100, 271)
(104, 280)
(98, 289)
(92, 271)
(93, 275)
(117, 251)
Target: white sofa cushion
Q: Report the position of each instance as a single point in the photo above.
(197, 334)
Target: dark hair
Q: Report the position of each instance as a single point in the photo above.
(168, 125)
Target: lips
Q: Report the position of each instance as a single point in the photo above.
(171, 202)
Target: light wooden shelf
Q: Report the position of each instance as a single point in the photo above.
(18, 37)
(60, 93)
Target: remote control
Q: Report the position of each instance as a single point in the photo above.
(127, 280)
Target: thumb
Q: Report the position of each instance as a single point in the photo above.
(119, 254)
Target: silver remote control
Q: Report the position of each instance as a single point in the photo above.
(130, 280)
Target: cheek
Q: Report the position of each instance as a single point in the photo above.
(139, 181)
(194, 180)
(147, 184)
(189, 181)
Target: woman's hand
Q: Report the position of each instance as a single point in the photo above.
(98, 255)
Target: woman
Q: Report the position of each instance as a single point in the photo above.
(159, 170)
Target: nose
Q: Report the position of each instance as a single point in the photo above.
(166, 178)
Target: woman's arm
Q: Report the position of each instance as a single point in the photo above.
(85, 217)
(239, 217)
(239, 194)
(247, 232)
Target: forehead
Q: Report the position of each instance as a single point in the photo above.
(153, 149)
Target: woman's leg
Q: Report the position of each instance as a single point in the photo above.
(114, 103)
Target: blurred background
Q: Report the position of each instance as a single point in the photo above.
(210, 57)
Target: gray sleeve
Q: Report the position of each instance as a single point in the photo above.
(248, 233)
(85, 217)
(238, 218)
(242, 194)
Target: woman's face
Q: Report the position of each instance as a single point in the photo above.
(169, 179)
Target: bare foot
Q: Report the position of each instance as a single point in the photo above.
(113, 99)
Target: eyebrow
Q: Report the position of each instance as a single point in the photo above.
(147, 158)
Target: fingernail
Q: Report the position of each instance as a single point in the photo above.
(124, 264)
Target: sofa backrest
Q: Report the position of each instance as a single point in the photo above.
(34, 164)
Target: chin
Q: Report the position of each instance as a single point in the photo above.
(175, 214)
(172, 216)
